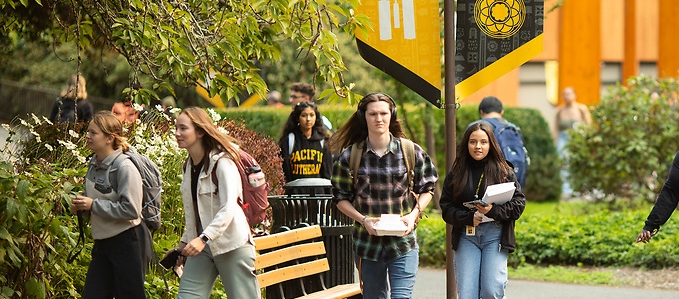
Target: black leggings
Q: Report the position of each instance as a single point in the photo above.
(116, 269)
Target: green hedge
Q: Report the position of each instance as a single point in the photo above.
(543, 183)
(602, 238)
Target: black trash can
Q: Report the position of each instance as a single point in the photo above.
(298, 210)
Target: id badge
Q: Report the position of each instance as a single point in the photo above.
(471, 230)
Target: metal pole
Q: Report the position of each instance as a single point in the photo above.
(450, 107)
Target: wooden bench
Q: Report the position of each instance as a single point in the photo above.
(294, 257)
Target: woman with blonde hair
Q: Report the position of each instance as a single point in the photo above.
(216, 239)
(72, 104)
(112, 200)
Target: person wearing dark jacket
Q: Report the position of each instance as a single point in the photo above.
(302, 143)
(482, 237)
(665, 204)
(72, 104)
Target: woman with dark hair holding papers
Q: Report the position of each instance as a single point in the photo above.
(483, 235)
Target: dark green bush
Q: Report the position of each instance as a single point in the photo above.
(601, 238)
(633, 138)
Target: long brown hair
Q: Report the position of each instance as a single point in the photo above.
(213, 139)
(356, 129)
(496, 170)
(111, 126)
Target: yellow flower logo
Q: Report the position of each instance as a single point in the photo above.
(499, 18)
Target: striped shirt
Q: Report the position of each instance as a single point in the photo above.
(382, 188)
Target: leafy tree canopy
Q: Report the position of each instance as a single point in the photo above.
(218, 43)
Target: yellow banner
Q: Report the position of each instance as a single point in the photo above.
(405, 42)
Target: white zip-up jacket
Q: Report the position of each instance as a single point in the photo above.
(222, 218)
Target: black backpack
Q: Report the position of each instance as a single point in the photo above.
(511, 141)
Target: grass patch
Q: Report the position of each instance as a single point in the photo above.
(574, 275)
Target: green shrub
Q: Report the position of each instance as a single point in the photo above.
(601, 238)
(633, 138)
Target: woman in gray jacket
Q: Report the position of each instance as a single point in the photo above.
(217, 239)
(116, 269)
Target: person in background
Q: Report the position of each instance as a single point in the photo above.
(274, 99)
(124, 112)
(386, 264)
(117, 268)
(303, 147)
(481, 247)
(304, 92)
(568, 116)
(216, 239)
(665, 204)
(72, 104)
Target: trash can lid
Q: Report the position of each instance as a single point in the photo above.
(308, 182)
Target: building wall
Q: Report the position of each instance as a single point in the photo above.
(533, 85)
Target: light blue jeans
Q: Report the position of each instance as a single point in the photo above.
(561, 143)
(480, 265)
(401, 274)
(235, 268)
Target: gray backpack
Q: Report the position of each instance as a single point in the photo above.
(152, 185)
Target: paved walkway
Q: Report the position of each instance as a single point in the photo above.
(430, 284)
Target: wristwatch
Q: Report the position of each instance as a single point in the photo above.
(204, 238)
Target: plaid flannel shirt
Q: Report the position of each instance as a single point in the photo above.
(382, 188)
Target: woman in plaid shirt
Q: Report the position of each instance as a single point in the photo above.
(381, 187)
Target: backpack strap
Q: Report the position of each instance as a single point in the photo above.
(355, 159)
(408, 148)
(113, 180)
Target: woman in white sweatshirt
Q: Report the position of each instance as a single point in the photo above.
(217, 239)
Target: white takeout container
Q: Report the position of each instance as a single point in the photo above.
(390, 225)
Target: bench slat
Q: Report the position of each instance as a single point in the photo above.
(288, 254)
(340, 291)
(289, 237)
(284, 274)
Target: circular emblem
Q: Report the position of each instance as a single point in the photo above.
(499, 18)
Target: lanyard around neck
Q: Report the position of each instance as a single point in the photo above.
(476, 196)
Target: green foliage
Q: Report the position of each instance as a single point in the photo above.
(43, 171)
(633, 138)
(569, 235)
(187, 42)
(602, 238)
(431, 238)
(37, 231)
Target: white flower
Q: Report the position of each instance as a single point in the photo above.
(6, 127)
(36, 120)
(137, 107)
(73, 133)
(223, 130)
(159, 108)
(69, 145)
(214, 115)
(82, 159)
(49, 147)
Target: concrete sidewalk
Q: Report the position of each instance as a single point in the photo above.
(430, 284)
